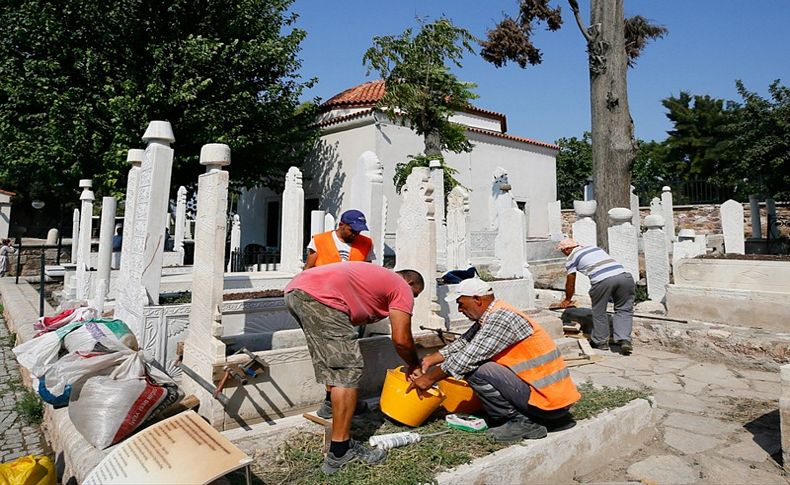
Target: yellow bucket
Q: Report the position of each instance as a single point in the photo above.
(460, 396)
(408, 408)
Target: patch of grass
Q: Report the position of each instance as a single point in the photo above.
(30, 407)
(640, 294)
(175, 298)
(595, 401)
(298, 460)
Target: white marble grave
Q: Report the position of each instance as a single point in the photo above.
(655, 207)
(104, 261)
(235, 239)
(623, 242)
(367, 195)
(656, 258)
(415, 244)
(635, 219)
(437, 179)
(202, 346)
(181, 222)
(555, 221)
(584, 233)
(317, 219)
(668, 213)
(292, 224)
(510, 249)
(458, 229)
(84, 247)
(732, 226)
(75, 235)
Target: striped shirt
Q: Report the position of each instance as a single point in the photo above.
(496, 330)
(594, 263)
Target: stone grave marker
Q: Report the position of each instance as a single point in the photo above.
(181, 222)
(655, 207)
(75, 235)
(292, 224)
(317, 222)
(623, 243)
(754, 207)
(732, 227)
(668, 213)
(656, 258)
(235, 240)
(635, 220)
(437, 179)
(458, 229)
(106, 231)
(555, 221)
(584, 233)
(135, 157)
(84, 248)
(367, 195)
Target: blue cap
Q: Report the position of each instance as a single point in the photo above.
(355, 219)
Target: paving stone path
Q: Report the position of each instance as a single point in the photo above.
(717, 423)
(16, 437)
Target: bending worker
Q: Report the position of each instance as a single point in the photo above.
(343, 244)
(609, 280)
(329, 302)
(512, 364)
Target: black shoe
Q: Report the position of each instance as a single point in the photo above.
(559, 424)
(371, 456)
(625, 347)
(601, 346)
(517, 429)
(325, 411)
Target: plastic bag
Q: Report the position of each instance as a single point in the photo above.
(63, 318)
(28, 470)
(55, 385)
(38, 353)
(106, 409)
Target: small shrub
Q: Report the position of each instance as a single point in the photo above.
(29, 407)
(640, 294)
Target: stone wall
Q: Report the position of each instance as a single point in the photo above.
(31, 259)
(704, 219)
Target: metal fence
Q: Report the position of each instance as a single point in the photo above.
(255, 258)
(685, 192)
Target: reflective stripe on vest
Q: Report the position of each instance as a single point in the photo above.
(327, 252)
(538, 362)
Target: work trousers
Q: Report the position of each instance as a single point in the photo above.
(505, 395)
(620, 288)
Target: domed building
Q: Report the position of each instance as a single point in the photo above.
(351, 126)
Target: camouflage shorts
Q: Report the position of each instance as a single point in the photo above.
(331, 340)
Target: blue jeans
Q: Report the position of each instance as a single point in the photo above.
(505, 395)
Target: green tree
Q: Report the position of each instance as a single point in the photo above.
(574, 167)
(421, 91)
(613, 43)
(761, 142)
(82, 79)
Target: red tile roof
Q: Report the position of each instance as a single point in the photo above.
(369, 93)
(6, 192)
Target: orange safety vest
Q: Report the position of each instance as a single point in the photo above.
(538, 362)
(327, 250)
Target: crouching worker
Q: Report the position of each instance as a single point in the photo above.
(511, 363)
(329, 302)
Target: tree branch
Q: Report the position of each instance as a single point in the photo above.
(579, 21)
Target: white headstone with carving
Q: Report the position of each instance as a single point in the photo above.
(415, 244)
(181, 222)
(584, 234)
(623, 243)
(732, 227)
(656, 258)
(367, 195)
(146, 238)
(500, 181)
(458, 229)
(292, 224)
(135, 157)
(84, 248)
(202, 346)
(510, 245)
(655, 207)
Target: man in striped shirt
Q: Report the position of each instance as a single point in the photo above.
(609, 280)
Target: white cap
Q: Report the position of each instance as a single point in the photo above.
(469, 287)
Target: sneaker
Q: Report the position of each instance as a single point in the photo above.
(625, 347)
(517, 429)
(555, 425)
(600, 346)
(325, 411)
(356, 452)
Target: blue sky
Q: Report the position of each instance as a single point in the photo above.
(710, 44)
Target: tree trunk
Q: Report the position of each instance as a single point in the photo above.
(433, 145)
(613, 145)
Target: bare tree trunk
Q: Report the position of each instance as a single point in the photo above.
(613, 144)
(433, 146)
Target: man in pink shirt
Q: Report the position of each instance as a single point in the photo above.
(329, 302)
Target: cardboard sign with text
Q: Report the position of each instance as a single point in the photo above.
(182, 449)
